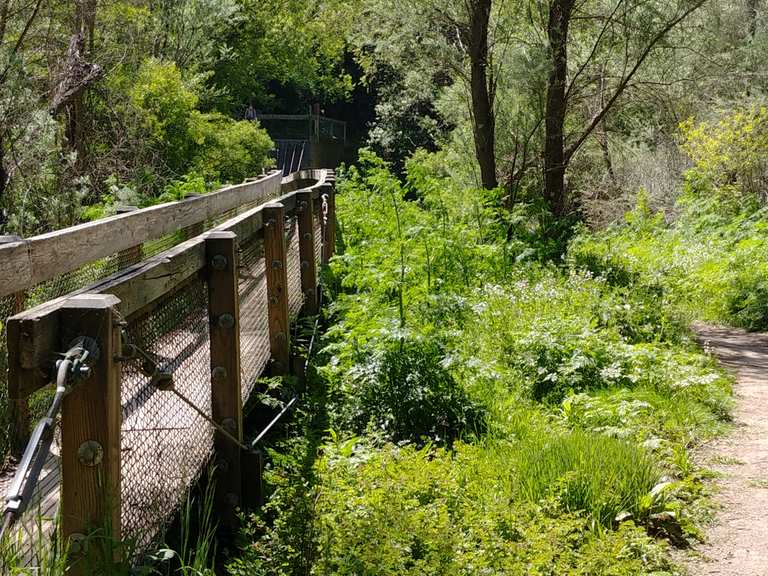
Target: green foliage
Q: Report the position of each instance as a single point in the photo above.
(404, 391)
(167, 104)
(284, 55)
(408, 511)
(728, 153)
(747, 300)
(568, 403)
(586, 472)
(179, 189)
(211, 145)
(707, 265)
(229, 150)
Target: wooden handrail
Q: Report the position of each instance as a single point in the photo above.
(30, 335)
(29, 262)
(91, 420)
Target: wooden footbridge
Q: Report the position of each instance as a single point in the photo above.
(181, 308)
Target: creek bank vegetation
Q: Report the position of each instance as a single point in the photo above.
(491, 410)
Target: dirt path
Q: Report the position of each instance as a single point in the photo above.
(737, 543)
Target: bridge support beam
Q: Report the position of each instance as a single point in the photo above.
(305, 211)
(90, 437)
(275, 263)
(226, 393)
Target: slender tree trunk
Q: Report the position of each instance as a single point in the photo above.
(482, 91)
(85, 24)
(3, 176)
(752, 10)
(602, 134)
(555, 159)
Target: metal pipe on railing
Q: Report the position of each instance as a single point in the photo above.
(71, 367)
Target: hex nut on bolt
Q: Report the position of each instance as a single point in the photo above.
(218, 373)
(226, 321)
(219, 262)
(76, 541)
(229, 425)
(90, 453)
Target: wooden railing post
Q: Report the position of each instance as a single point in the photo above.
(277, 287)
(305, 211)
(18, 406)
(90, 436)
(226, 394)
(328, 215)
(134, 254)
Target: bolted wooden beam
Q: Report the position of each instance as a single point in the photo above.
(275, 263)
(90, 436)
(305, 212)
(226, 393)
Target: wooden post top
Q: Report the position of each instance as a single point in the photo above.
(96, 301)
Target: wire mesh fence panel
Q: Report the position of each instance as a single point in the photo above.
(165, 443)
(30, 538)
(293, 267)
(7, 309)
(254, 321)
(318, 230)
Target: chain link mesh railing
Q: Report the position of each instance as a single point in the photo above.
(164, 443)
(84, 276)
(293, 268)
(254, 321)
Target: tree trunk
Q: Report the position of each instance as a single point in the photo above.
(85, 23)
(3, 177)
(752, 9)
(482, 91)
(555, 160)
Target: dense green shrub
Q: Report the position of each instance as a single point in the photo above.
(210, 145)
(748, 298)
(708, 265)
(168, 107)
(229, 150)
(407, 511)
(404, 391)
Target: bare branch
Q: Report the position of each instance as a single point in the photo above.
(628, 77)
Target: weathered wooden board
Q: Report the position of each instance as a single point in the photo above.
(34, 260)
(32, 334)
(275, 264)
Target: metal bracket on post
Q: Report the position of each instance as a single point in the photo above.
(277, 287)
(90, 432)
(226, 393)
